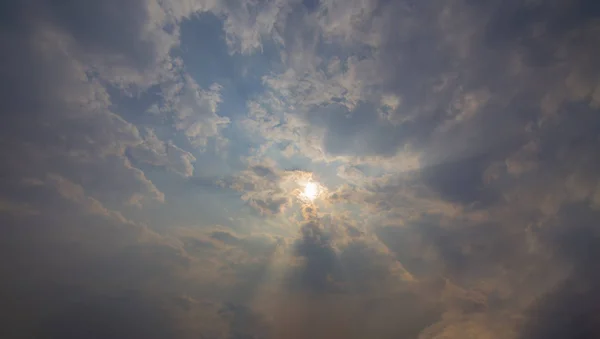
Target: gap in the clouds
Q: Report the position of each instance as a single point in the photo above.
(189, 201)
(135, 108)
(207, 59)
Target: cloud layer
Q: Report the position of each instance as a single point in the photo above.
(154, 156)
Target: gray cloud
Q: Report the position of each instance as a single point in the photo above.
(569, 310)
(320, 270)
(164, 154)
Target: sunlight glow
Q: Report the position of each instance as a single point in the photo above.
(311, 191)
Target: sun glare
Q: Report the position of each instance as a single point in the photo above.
(311, 190)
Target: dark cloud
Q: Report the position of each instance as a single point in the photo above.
(87, 21)
(459, 250)
(134, 42)
(570, 310)
(109, 317)
(245, 323)
(319, 270)
(460, 180)
(82, 279)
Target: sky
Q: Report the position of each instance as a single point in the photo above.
(300, 169)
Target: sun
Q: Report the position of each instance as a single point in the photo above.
(311, 191)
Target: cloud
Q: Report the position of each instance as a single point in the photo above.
(455, 142)
(83, 260)
(440, 102)
(194, 109)
(320, 270)
(129, 51)
(66, 127)
(248, 23)
(66, 157)
(569, 308)
(267, 189)
(338, 273)
(164, 154)
(80, 265)
(75, 193)
(129, 319)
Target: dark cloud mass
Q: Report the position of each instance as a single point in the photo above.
(300, 169)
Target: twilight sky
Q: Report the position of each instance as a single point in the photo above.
(155, 156)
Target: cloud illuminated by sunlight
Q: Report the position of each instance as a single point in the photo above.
(310, 191)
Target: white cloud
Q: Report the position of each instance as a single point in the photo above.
(195, 109)
(248, 23)
(164, 154)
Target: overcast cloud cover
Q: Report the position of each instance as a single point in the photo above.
(153, 155)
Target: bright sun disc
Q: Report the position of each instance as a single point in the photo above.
(311, 191)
